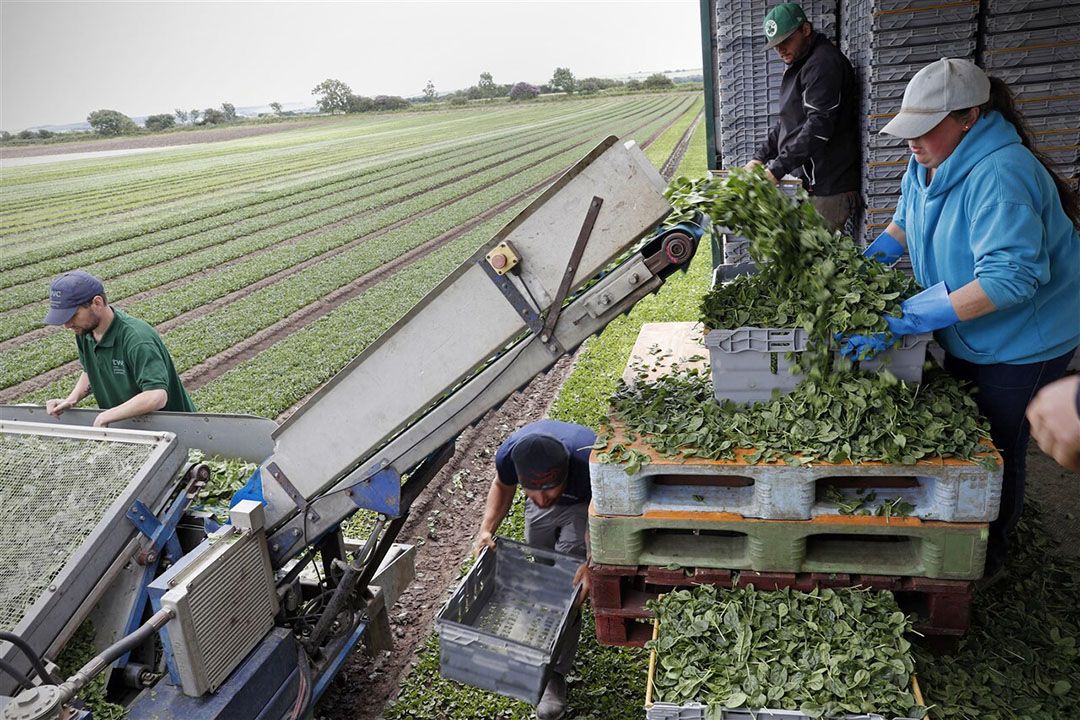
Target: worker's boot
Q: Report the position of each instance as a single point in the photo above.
(553, 704)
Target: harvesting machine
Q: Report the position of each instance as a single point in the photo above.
(254, 618)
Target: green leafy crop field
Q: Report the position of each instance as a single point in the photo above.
(251, 253)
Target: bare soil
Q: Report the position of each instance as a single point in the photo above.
(184, 137)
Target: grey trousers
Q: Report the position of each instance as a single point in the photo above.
(560, 528)
(837, 209)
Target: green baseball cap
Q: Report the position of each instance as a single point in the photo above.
(781, 22)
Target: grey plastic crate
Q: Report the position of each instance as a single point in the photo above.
(1067, 107)
(920, 36)
(507, 621)
(741, 361)
(725, 273)
(888, 170)
(1040, 124)
(886, 154)
(1026, 90)
(1034, 20)
(881, 187)
(923, 54)
(1031, 53)
(926, 17)
(1058, 138)
(1019, 76)
(1001, 7)
(736, 250)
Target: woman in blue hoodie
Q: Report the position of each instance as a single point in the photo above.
(992, 235)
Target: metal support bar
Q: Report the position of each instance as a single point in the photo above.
(571, 268)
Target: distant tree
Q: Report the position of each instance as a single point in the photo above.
(429, 91)
(563, 80)
(4, 136)
(212, 116)
(599, 83)
(333, 96)
(163, 121)
(26, 135)
(633, 84)
(658, 81)
(546, 89)
(45, 134)
(195, 116)
(588, 86)
(390, 102)
(473, 93)
(359, 104)
(276, 107)
(486, 86)
(111, 122)
(459, 99)
(181, 116)
(229, 110)
(524, 91)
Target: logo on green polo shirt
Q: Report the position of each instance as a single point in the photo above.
(118, 367)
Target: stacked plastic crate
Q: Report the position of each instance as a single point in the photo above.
(920, 529)
(1034, 46)
(888, 41)
(749, 75)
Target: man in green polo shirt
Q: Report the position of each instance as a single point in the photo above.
(125, 363)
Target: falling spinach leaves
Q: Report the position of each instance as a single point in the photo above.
(808, 277)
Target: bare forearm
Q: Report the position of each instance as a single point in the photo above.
(971, 301)
(81, 389)
(145, 402)
(897, 234)
(499, 499)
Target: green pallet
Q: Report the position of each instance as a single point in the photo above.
(863, 545)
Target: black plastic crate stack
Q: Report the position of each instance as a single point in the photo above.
(888, 41)
(1034, 46)
(748, 76)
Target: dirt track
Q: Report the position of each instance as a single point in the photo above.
(186, 137)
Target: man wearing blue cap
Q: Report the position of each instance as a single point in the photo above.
(125, 363)
(816, 137)
(550, 460)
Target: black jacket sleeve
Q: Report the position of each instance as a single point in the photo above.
(822, 88)
(766, 151)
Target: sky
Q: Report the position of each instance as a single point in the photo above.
(61, 60)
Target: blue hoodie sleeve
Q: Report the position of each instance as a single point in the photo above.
(900, 214)
(1011, 261)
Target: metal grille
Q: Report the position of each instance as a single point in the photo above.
(53, 493)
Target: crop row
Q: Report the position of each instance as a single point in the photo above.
(297, 201)
(242, 239)
(282, 375)
(130, 229)
(223, 328)
(177, 221)
(53, 209)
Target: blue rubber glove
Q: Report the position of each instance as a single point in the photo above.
(928, 311)
(886, 249)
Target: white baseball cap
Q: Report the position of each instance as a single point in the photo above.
(938, 89)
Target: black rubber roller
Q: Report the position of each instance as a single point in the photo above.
(678, 246)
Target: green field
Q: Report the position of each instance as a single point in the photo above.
(253, 255)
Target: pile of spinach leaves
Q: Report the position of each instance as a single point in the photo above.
(825, 653)
(846, 416)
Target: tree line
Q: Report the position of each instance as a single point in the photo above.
(334, 96)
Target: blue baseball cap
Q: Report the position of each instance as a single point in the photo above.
(68, 292)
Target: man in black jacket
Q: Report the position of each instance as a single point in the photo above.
(816, 138)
